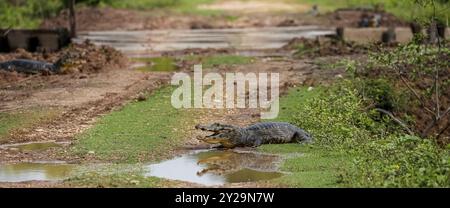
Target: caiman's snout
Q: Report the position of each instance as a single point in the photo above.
(220, 134)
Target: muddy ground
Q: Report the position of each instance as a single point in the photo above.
(83, 97)
(99, 80)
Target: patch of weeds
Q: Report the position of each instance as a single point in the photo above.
(333, 65)
(158, 64)
(302, 50)
(231, 18)
(216, 60)
(351, 149)
(141, 131)
(95, 180)
(400, 161)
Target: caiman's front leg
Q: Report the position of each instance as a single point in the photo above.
(225, 142)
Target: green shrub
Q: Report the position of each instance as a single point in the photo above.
(382, 156)
(335, 119)
(404, 161)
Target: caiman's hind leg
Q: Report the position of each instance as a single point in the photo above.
(301, 137)
(257, 143)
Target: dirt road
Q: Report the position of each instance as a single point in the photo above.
(82, 98)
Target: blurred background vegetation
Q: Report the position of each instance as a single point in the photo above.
(29, 13)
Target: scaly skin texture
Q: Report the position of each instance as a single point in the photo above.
(29, 66)
(257, 134)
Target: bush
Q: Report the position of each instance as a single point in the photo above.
(383, 157)
(335, 119)
(403, 161)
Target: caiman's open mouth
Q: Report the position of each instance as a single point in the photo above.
(215, 137)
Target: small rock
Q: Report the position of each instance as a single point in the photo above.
(91, 152)
(14, 149)
(310, 88)
(135, 182)
(141, 97)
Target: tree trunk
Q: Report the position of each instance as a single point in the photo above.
(389, 36)
(433, 33)
(72, 19)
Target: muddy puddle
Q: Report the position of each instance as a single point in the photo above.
(33, 146)
(42, 171)
(216, 167)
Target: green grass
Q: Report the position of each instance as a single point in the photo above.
(141, 131)
(158, 64)
(309, 166)
(23, 119)
(167, 64)
(215, 60)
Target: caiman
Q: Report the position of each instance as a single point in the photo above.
(230, 136)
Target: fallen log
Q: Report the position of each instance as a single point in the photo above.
(28, 66)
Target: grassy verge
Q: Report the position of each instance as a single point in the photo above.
(168, 64)
(313, 167)
(351, 149)
(23, 119)
(141, 131)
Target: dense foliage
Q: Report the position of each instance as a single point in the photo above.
(383, 157)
